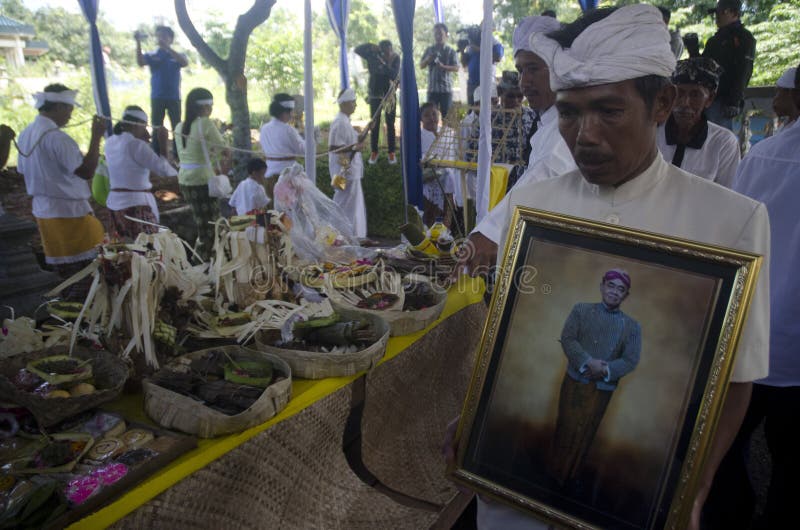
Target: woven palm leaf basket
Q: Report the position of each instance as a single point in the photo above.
(401, 322)
(318, 365)
(109, 373)
(177, 411)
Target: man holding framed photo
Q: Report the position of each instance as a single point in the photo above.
(610, 70)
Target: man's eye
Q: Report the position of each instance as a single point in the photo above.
(612, 113)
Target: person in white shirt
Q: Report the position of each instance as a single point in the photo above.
(346, 165)
(548, 154)
(56, 175)
(688, 139)
(784, 103)
(130, 160)
(249, 194)
(281, 142)
(611, 72)
(770, 172)
(437, 188)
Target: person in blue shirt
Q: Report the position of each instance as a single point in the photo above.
(471, 59)
(165, 78)
(602, 344)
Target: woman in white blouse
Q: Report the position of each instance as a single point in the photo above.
(281, 142)
(130, 161)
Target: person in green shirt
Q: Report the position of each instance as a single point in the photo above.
(198, 143)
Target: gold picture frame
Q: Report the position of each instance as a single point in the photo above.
(585, 441)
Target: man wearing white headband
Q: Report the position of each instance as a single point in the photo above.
(784, 101)
(56, 175)
(346, 165)
(547, 155)
(769, 172)
(611, 71)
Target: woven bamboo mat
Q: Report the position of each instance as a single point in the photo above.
(295, 475)
(411, 399)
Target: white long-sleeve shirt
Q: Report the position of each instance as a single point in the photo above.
(49, 171)
(280, 140)
(130, 161)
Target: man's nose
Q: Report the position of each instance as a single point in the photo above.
(588, 129)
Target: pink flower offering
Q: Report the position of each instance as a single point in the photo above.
(81, 489)
(110, 474)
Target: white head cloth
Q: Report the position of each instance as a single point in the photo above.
(527, 27)
(631, 42)
(136, 114)
(476, 95)
(787, 79)
(67, 96)
(288, 104)
(348, 95)
(200, 102)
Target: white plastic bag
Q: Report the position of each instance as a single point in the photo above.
(219, 186)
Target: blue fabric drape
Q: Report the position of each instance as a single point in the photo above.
(338, 12)
(586, 5)
(89, 8)
(438, 11)
(409, 101)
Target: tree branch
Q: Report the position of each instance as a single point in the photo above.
(245, 24)
(205, 51)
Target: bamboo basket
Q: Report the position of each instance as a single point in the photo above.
(400, 322)
(108, 371)
(319, 365)
(176, 411)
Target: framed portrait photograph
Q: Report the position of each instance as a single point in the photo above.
(602, 371)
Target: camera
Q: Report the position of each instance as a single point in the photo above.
(140, 35)
(473, 37)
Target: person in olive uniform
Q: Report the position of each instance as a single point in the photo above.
(733, 48)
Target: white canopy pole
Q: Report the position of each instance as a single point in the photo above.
(308, 99)
(485, 140)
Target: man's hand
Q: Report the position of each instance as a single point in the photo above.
(597, 369)
(99, 126)
(476, 256)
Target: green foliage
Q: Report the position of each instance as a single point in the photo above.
(67, 34)
(777, 43)
(217, 34)
(275, 54)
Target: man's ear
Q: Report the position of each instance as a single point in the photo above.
(663, 102)
(712, 95)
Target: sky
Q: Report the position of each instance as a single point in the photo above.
(129, 14)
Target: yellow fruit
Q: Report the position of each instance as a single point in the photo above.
(57, 394)
(81, 389)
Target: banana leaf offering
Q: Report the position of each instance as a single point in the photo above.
(227, 384)
(329, 334)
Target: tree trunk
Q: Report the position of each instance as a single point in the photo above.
(232, 71)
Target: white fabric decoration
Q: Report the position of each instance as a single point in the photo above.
(204, 102)
(289, 104)
(631, 42)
